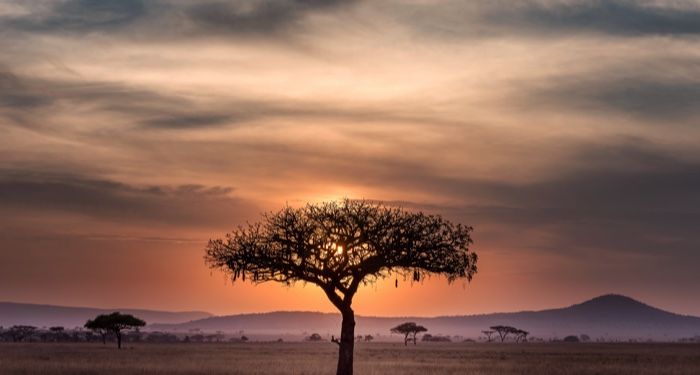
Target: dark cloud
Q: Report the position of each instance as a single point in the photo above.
(168, 19)
(644, 98)
(620, 17)
(14, 94)
(44, 193)
(258, 17)
(628, 89)
(78, 16)
(625, 197)
(553, 18)
(282, 18)
(190, 121)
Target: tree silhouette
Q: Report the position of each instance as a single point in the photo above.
(521, 335)
(97, 327)
(114, 323)
(489, 334)
(314, 337)
(407, 329)
(20, 332)
(503, 331)
(340, 245)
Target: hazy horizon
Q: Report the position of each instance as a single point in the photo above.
(117, 308)
(565, 131)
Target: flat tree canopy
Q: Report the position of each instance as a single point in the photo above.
(114, 323)
(407, 329)
(340, 245)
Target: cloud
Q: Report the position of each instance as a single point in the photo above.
(34, 99)
(44, 193)
(552, 18)
(622, 197)
(167, 19)
(253, 18)
(77, 16)
(621, 17)
(649, 99)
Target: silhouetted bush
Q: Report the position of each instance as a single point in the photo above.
(161, 337)
(437, 338)
(314, 337)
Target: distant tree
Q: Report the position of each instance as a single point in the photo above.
(340, 245)
(56, 334)
(584, 338)
(571, 338)
(369, 338)
(489, 333)
(114, 323)
(436, 338)
(314, 337)
(409, 330)
(503, 331)
(98, 327)
(244, 338)
(520, 335)
(21, 332)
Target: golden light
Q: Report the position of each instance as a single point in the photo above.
(338, 249)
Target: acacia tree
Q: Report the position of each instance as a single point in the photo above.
(407, 329)
(115, 323)
(97, 327)
(339, 246)
(521, 335)
(489, 333)
(503, 331)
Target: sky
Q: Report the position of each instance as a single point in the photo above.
(566, 132)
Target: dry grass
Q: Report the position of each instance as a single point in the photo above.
(372, 358)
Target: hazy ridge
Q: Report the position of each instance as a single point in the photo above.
(609, 317)
(38, 315)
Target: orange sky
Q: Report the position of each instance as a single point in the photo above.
(131, 132)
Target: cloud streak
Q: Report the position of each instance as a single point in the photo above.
(551, 19)
(35, 193)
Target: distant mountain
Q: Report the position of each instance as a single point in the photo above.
(610, 317)
(47, 315)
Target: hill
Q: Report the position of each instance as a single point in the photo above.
(610, 317)
(48, 315)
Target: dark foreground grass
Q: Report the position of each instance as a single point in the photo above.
(371, 358)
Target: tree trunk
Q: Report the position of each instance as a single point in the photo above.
(104, 339)
(347, 343)
(119, 340)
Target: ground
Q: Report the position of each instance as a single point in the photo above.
(371, 358)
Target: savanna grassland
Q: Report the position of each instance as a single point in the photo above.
(371, 358)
